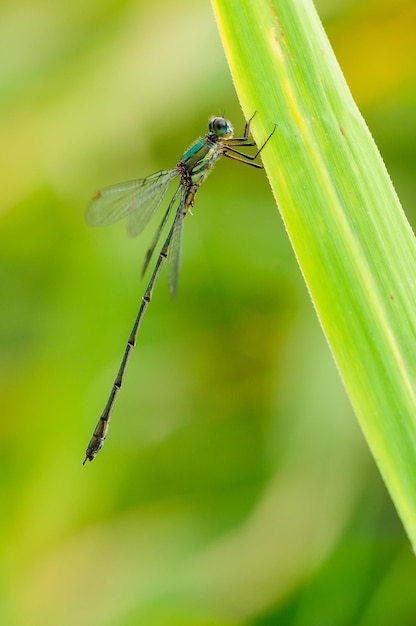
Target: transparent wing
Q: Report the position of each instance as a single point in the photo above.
(137, 200)
(174, 257)
(162, 224)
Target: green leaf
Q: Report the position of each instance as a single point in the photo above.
(353, 243)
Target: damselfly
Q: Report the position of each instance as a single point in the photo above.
(138, 200)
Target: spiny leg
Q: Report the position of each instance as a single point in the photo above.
(247, 158)
(246, 130)
(236, 158)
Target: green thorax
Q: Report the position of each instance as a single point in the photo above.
(201, 156)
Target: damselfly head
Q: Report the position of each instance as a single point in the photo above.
(220, 127)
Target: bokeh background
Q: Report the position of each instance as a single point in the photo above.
(235, 487)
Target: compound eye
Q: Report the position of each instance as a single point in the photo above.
(219, 126)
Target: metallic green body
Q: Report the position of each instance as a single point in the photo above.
(138, 200)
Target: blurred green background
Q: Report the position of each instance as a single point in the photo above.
(235, 487)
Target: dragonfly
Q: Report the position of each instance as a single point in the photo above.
(137, 202)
